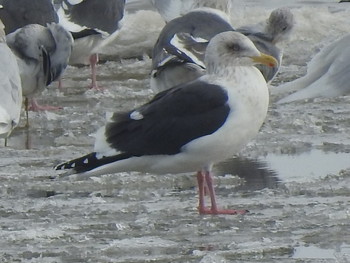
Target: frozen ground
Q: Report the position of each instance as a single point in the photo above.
(294, 178)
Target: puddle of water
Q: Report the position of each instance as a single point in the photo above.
(341, 252)
(268, 171)
(307, 166)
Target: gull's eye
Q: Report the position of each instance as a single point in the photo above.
(234, 47)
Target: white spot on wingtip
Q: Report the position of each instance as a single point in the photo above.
(86, 161)
(75, 2)
(73, 165)
(136, 115)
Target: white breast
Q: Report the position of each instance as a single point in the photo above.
(248, 101)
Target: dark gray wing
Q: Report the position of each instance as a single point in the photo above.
(16, 14)
(169, 121)
(97, 14)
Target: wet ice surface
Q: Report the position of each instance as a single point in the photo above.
(294, 179)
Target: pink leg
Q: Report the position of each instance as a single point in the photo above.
(93, 63)
(201, 192)
(35, 106)
(205, 178)
(60, 85)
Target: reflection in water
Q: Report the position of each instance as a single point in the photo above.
(32, 137)
(256, 173)
(22, 138)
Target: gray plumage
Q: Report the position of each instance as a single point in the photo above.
(178, 55)
(171, 9)
(268, 34)
(42, 54)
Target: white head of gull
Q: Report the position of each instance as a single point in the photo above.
(10, 88)
(189, 127)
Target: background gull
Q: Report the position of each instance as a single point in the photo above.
(42, 55)
(327, 74)
(93, 24)
(10, 87)
(191, 126)
(178, 55)
(268, 34)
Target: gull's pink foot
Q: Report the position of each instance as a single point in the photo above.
(35, 106)
(60, 85)
(209, 211)
(93, 62)
(205, 186)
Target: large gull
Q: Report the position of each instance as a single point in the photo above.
(189, 127)
(10, 88)
(327, 74)
(178, 55)
(42, 54)
(93, 24)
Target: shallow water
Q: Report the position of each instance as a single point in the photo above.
(293, 178)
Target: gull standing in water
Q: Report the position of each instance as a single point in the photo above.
(191, 126)
(93, 24)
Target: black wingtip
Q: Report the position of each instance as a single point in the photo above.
(81, 164)
(89, 162)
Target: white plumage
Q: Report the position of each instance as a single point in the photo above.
(327, 74)
(10, 88)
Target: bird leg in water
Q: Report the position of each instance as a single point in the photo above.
(93, 62)
(204, 179)
(35, 106)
